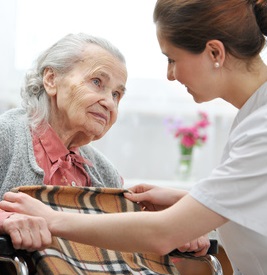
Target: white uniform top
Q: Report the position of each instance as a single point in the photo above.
(237, 188)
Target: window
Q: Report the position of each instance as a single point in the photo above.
(128, 24)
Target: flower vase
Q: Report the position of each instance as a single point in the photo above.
(185, 163)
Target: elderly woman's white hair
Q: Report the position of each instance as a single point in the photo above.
(61, 57)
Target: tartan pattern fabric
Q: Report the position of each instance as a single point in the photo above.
(67, 257)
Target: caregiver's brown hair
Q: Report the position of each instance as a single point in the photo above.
(239, 24)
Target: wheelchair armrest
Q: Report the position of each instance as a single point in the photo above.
(6, 246)
(213, 249)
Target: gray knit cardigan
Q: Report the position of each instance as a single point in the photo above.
(18, 166)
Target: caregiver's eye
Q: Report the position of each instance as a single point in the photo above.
(170, 61)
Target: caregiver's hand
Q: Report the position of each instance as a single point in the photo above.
(25, 204)
(199, 246)
(154, 198)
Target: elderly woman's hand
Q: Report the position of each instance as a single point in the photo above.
(27, 232)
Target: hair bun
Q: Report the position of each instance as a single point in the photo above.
(260, 10)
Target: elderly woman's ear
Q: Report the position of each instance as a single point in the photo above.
(49, 81)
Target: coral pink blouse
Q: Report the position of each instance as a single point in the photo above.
(61, 166)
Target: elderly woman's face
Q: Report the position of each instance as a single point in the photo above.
(85, 101)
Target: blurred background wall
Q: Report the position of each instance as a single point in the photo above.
(138, 144)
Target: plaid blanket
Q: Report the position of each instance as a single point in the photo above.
(67, 257)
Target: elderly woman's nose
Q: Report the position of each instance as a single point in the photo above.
(108, 101)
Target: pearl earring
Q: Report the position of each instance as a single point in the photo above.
(216, 65)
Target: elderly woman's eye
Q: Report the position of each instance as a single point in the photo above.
(116, 95)
(96, 81)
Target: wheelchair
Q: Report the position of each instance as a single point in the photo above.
(91, 200)
(18, 260)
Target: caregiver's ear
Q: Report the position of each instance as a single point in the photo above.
(216, 51)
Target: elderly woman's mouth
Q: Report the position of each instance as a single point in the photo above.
(100, 116)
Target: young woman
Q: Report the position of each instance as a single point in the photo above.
(213, 48)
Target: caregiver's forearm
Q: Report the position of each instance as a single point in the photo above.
(109, 231)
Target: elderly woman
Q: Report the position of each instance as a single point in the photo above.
(70, 98)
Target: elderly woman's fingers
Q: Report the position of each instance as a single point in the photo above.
(26, 232)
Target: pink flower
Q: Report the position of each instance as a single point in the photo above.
(188, 141)
(203, 122)
(189, 136)
(204, 138)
